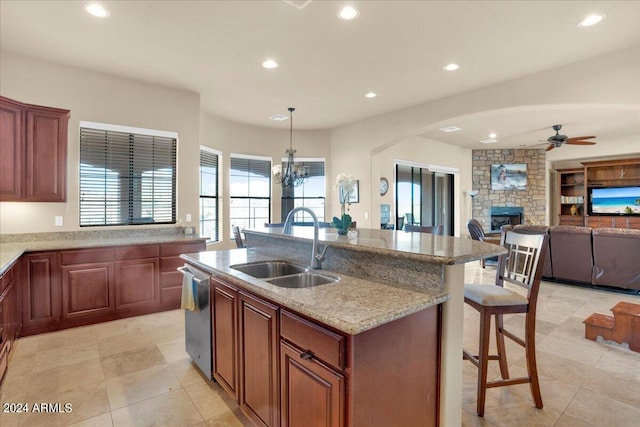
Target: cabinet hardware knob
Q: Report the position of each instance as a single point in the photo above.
(306, 355)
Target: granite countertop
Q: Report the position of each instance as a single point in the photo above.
(11, 251)
(351, 305)
(427, 247)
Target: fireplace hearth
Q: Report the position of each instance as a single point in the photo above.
(505, 215)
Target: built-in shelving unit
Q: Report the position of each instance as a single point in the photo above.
(572, 195)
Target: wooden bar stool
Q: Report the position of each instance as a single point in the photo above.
(522, 265)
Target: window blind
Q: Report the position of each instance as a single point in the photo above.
(310, 194)
(126, 178)
(209, 226)
(249, 191)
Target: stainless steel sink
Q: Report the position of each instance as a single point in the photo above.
(268, 269)
(303, 280)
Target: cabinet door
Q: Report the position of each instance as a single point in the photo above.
(136, 284)
(259, 392)
(87, 290)
(11, 149)
(170, 277)
(225, 331)
(46, 154)
(312, 394)
(41, 293)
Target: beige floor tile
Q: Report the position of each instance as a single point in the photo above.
(522, 415)
(586, 352)
(84, 402)
(138, 386)
(26, 345)
(569, 421)
(66, 377)
(186, 372)
(209, 399)
(170, 409)
(620, 361)
(600, 409)
(618, 386)
(173, 350)
(103, 420)
(120, 364)
(64, 355)
(10, 419)
(66, 337)
(229, 419)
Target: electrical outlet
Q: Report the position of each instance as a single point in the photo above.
(59, 221)
(187, 218)
(366, 215)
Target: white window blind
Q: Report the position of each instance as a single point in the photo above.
(209, 169)
(126, 178)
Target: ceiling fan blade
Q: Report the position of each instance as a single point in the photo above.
(550, 147)
(580, 142)
(575, 138)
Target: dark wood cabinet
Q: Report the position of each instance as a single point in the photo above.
(259, 394)
(170, 277)
(12, 149)
(224, 306)
(312, 393)
(34, 146)
(9, 316)
(41, 289)
(136, 283)
(74, 287)
(87, 290)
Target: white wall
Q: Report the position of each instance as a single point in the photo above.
(99, 98)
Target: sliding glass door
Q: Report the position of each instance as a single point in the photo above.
(424, 197)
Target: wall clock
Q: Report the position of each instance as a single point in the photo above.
(384, 186)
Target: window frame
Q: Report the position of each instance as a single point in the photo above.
(288, 202)
(250, 198)
(116, 144)
(216, 197)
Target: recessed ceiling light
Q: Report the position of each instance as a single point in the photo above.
(348, 13)
(492, 135)
(269, 64)
(96, 10)
(371, 95)
(278, 117)
(488, 141)
(451, 67)
(591, 20)
(449, 129)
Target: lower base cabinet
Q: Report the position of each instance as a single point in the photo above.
(287, 370)
(259, 395)
(10, 316)
(312, 393)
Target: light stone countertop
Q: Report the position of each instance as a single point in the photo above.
(426, 247)
(11, 251)
(351, 305)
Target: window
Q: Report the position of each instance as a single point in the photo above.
(249, 191)
(209, 193)
(310, 194)
(127, 175)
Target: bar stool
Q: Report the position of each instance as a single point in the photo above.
(521, 266)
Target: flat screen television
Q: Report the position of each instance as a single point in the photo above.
(614, 201)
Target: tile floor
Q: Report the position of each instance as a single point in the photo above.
(134, 372)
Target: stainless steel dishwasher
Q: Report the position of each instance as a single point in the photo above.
(197, 324)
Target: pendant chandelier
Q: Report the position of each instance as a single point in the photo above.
(294, 174)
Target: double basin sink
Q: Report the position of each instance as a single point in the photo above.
(284, 274)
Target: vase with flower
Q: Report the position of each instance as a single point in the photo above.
(345, 185)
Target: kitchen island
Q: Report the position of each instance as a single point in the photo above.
(381, 346)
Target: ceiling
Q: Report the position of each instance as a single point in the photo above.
(394, 48)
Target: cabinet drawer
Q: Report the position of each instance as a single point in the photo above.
(133, 252)
(324, 344)
(84, 256)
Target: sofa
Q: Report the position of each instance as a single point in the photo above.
(601, 256)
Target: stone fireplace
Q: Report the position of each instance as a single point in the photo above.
(505, 215)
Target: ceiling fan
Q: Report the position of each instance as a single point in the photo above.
(557, 140)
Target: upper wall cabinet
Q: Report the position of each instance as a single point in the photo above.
(33, 143)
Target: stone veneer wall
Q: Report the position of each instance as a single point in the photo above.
(533, 200)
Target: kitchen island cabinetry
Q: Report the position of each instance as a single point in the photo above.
(259, 395)
(225, 333)
(170, 278)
